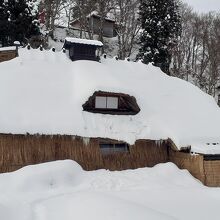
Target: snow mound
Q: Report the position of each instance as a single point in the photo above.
(167, 173)
(43, 177)
(7, 48)
(62, 190)
(43, 92)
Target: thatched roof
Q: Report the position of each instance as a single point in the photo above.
(43, 92)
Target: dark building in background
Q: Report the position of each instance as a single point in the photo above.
(94, 24)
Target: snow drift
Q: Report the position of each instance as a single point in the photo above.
(62, 190)
(43, 92)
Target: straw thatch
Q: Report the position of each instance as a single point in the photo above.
(20, 150)
(17, 151)
(145, 153)
(193, 163)
(212, 173)
(207, 171)
(7, 55)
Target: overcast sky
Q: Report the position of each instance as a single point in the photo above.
(204, 5)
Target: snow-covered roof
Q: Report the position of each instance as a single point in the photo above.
(84, 41)
(7, 48)
(96, 14)
(43, 92)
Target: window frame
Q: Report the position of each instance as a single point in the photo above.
(106, 102)
(112, 147)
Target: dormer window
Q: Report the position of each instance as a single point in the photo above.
(106, 102)
(111, 103)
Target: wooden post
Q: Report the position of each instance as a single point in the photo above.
(17, 44)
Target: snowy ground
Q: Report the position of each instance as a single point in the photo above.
(62, 190)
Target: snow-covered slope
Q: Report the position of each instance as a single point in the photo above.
(62, 190)
(43, 92)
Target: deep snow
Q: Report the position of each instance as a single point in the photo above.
(62, 190)
(43, 92)
(7, 48)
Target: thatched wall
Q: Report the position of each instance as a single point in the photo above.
(212, 173)
(208, 172)
(17, 151)
(193, 163)
(145, 153)
(7, 55)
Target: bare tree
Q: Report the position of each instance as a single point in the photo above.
(196, 58)
(81, 11)
(103, 8)
(127, 25)
(52, 8)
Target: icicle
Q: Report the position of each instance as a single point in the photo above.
(86, 141)
(159, 142)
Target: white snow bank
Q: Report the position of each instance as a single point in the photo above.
(7, 48)
(62, 190)
(43, 92)
(43, 177)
